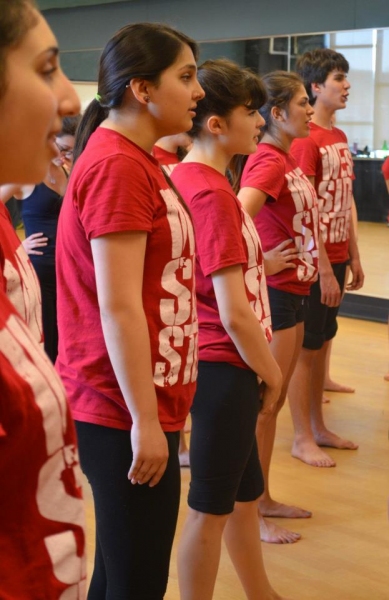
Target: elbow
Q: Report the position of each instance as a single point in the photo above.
(233, 321)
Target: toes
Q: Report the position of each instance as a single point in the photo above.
(351, 446)
(286, 537)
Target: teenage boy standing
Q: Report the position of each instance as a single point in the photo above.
(325, 158)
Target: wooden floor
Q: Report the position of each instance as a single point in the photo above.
(344, 552)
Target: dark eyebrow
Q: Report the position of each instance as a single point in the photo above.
(52, 51)
(190, 66)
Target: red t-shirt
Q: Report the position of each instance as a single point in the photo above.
(325, 155)
(167, 160)
(42, 532)
(225, 236)
(19, 281)
(385, 168)
(115, 186)
(290, 212)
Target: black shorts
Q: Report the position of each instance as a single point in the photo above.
(286, 309)
(320, 322)
(223, 450)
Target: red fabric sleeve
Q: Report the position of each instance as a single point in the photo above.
(221, 246)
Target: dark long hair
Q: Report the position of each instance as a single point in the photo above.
(226, 86)
(280, 88)
(140, 50)
(16, 18)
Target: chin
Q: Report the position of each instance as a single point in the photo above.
(250, 149)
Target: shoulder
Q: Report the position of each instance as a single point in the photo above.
(194, 179)
(267, 157)
(340, 134)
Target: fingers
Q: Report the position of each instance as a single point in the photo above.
(289, 265)
(330, 300)
(330, 292)
(147, 472)
(158, 475)
(35, 240)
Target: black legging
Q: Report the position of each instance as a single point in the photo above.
(48, 285)
(135, 524)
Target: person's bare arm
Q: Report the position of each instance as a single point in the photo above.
(16, 191)
(119, 289)
(281, 257)
(358, 276)
(35, 241)
(252, 200)
(242, 325)
(331, 293)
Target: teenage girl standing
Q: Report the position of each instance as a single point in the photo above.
(40, 211)
(42, 537)
(234, 331)
(283, 203)
(126, 304)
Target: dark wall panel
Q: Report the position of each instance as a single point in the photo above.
(88, 28)
(48, 4)
(81, 66)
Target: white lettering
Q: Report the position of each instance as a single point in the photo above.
(305, 223)
(178, 311)
(61, 467)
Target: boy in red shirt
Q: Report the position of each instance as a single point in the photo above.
(325, 158)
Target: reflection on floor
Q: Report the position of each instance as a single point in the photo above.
(372, 301)
(373, 242)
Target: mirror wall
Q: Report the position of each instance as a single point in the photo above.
(366, 118)
(366, 124)
(365, 121)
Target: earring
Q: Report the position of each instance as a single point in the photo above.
(146, 99)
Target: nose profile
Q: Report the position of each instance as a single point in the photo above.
(261, 120)
(69, 102)
(199, 92)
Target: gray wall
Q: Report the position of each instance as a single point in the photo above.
(83, 31)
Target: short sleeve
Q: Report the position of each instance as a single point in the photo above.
(115, 195)
(307, 155)
(265, 172)
(218, 229)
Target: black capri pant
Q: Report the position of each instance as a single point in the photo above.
(320, 320)
(223, 450)
(135, 524)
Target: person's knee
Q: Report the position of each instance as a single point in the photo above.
(243, 509)
(209, 524)
(313, 340)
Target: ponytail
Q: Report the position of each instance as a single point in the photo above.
(93, 116)
(235, 171)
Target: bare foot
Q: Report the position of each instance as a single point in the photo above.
(310, 453)
(274, 534)
(325, 400)
(183, 457)
(331, 440)
(332, 386)
(272, 595)
(271, 508)
(386, 377)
